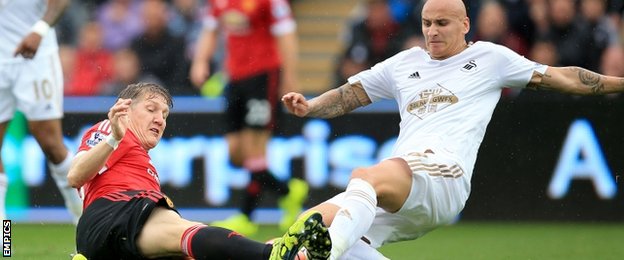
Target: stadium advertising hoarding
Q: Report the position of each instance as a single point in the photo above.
(538, 161)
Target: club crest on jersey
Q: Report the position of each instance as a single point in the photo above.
(432, 100)
(471, 66)
(235, 22)
(96, 138)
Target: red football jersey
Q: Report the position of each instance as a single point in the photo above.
(128, 168)
(250, 27)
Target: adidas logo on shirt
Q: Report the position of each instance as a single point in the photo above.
(414, 75)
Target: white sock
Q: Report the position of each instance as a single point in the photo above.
(4, 185)
(362, 251)
(70, 195)
(355, 217)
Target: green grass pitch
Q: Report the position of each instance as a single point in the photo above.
(464, 240)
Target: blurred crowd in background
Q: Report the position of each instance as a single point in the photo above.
(108, 44)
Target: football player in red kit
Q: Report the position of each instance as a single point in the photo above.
(126, 216)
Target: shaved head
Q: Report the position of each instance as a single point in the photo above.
(445, 24)
(456, 7)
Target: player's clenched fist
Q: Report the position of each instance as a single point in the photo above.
(296, 104)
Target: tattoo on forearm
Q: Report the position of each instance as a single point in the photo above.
(542, 84)
(338, 102)
(592, 80)
(327, 105)
(533, 86)
(360, 94)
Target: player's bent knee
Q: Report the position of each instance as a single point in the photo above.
(375, 180)
(365, 174)
(162, 233)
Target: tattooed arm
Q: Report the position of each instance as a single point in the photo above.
(333, 103)
(576, 80)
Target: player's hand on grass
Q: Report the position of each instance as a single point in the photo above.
(29, 46)
(296, 104)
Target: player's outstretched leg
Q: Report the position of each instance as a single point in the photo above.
(308, 231)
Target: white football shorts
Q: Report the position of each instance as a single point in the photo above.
(439, 192)
(34, 87)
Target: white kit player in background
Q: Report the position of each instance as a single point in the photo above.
(31, 81)
(446, 95)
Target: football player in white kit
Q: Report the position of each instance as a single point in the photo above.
(31, 82)
(446, 94)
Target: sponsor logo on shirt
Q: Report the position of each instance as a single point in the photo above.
(235, 22)
(414, 75)
(432, 100)
(153, 174)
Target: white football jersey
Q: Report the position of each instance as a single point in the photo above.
(17, 19)
(446, 105)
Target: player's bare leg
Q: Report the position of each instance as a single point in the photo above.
(234, 148)
(328, 210)
(162, 233)
(241, 222)
(50, 138)
(248, 149)
(292, 194)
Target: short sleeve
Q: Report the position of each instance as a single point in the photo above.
(282, 21)
(97, 134)
(92, 137)
(209, 20)
(517, 70)
(377, 81)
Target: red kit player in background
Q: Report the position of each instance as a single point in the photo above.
(260, 62)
